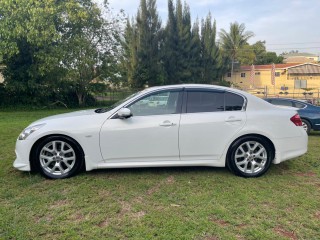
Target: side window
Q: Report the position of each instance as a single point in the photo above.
(298, 105)
(205, 101)
(233, 102)
(156, 104)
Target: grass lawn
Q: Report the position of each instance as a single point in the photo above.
(157, 203)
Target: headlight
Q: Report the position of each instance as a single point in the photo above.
(26, 132)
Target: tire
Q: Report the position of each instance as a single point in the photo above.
(306, 126)
(250, 156)
(58, 157)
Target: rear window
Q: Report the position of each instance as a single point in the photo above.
(213, 101)
(233, 102)
(201, 101)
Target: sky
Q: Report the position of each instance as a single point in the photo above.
(284, 24)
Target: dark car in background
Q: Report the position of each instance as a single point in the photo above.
(309, 114)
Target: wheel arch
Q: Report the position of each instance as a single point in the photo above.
(307, 120)
(35, 145)
(252, 135)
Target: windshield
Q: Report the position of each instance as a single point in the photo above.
(106, 109)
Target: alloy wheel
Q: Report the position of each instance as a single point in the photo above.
(57, 157)
(251, 157)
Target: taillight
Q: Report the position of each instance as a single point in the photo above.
(296, 120)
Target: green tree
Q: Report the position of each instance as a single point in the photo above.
(195, 54)
(171, 46)
(148, 69)
(89, 47)
(45, 43)
(28, 36)
(233, 41)
(210, 51)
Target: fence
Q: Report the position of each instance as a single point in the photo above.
(115, 95)
(311, 95)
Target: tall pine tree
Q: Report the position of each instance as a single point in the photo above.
(210, 50)
(148, 27)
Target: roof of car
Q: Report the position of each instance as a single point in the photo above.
(253, 101)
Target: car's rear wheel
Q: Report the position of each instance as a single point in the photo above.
(306, 126)
(250, 156)
(58, 157)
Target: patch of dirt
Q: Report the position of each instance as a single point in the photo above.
(78, 217)
(220, 222)
(306, 174)
(317, 215)
(156, 188)
(170, 179)
(125, 207)
(139, 214)
(285, 233)
(104, 223)
(212, 238)
(242, 225)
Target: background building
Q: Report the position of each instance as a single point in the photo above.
(300, 58)
(290, 80)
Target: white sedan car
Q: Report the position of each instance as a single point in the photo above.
(200, 125)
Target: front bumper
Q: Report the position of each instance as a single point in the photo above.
(23, 148)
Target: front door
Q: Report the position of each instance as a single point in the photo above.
(151, 134)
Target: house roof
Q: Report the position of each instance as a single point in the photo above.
(298, 60)
(269, 66)
(305, 68)
(300, 55)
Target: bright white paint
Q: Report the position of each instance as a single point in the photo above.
(196, 139)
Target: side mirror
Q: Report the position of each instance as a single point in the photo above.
(124, 113)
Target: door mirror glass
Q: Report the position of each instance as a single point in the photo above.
(124, 113)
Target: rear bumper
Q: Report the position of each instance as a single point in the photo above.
(288, 148)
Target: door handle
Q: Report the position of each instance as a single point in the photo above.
(167, 124)
(233, 119)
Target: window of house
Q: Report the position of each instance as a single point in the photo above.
(277, 74)
(229, 74)
(243, 75)
(257, 73)
(298, 84)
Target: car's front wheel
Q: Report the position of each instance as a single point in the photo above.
(58, 157)
(250, 156)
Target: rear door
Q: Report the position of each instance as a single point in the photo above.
(209, 120)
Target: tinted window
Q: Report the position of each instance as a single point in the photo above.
(233, 102)
(204, 101)
(156, 104)
(281, 102)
